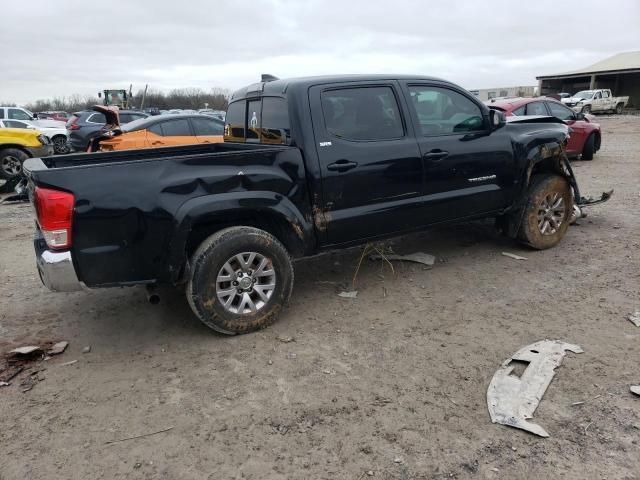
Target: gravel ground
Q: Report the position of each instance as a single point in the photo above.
(392, 383)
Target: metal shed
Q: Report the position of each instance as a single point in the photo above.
(620, 73)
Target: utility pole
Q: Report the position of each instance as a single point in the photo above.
(144, 96)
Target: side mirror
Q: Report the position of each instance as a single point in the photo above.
(579, 116)
(497, 119)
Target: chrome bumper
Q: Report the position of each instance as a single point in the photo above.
(55, 268)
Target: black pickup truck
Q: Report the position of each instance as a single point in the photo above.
(308, 164)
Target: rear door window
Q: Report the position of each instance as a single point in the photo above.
(275, 120)
(176, 128)
(15, 124)
(204, 127)
(156, 128)
(536, 108)
(362, 113)
(98, 118)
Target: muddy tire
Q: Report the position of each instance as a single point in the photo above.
(586, 109)
(11, 160)
(589, 148)
(619, 108)
(547, 212)
(241, 278)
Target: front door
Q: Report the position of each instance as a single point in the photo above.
(469, 169)
(369, 161)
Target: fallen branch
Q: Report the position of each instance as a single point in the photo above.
(110, 442)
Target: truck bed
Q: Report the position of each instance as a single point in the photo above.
(97, 158)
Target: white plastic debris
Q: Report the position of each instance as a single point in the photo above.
(351, 294)
(514, 256)
(58, 348)
(418, 257)
(635, 318)
(635, 389)
(512, 399)
(25, 350)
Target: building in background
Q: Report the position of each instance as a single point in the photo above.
(489, 93)
(620, 73)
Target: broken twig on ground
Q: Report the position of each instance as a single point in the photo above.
(111, 442)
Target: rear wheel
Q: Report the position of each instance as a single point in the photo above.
(547, 212)
(241, 278)
(589, 148)
(619, 108)
(60, 144)
(11, 162)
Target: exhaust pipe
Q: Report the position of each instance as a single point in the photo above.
(152, 295)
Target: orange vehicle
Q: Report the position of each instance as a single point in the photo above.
(156, 131)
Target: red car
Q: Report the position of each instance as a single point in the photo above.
(59, 116)
(585, 138)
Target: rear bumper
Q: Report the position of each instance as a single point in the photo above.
(56, 269)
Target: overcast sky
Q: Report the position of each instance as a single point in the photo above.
(57, 48)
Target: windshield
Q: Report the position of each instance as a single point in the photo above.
(584, 94)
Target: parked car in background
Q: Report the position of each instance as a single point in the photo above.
(601, 100)
(18, 144)
(586, 136)
(158, 131)
(58, 115)
(84, 126)
(57, 134)
(220, 114)
(15, 113)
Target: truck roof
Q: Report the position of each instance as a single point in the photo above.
(280, 86)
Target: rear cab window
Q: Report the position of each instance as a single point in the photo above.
(258, 120)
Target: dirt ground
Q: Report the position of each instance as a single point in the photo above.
(392, 382)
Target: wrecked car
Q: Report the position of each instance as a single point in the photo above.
(308, 164)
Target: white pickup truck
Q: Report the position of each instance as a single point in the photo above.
(600, 100)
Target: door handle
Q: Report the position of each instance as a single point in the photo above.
(157, 143)
(435, 155)
(342, 166)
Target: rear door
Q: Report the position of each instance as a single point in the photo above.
(176, 131)
(207, 130)
(369, 161)
(578, 127)
(469, 169)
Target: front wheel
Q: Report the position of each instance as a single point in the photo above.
(11, 160)
(547, 212)
(586, 109)
(241, 277)
(60, 144)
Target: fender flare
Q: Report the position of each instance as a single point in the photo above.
(222, 208)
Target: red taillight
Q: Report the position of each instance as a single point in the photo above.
(55, 215)
(72, 125)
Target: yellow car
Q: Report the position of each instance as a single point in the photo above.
(18, 144)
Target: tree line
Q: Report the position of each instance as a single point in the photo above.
(183, 98)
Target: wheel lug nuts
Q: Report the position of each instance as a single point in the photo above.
(235, 284)
(239, 290)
